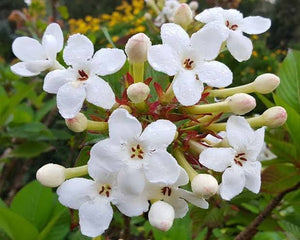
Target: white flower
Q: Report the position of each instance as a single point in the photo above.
(232, 20)
(80, 81)
(134, 155)
(176, 196)
(239, 163)
(93, 199)
(37, 57)
(189, 59)
(167, 13)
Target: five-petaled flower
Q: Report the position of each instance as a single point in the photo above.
(232, 20)
(135, 156)
(38, 57)
(239, 163)
(81, 80)
(190, 60)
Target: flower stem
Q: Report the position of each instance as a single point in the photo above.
(196, 147)
(138, 72)
(247, 88)
(168, 96)
(97, 126)
(76, 172)
(184, 163)
(207, 108)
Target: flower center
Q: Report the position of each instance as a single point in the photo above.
(105, 190)
(232, 27)
(166, 191)
(82, 75)
(137, 152)
(240, 158)
(188, 64)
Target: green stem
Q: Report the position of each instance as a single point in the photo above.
(184, 164)
(97, 126)
(76, 172)
(248, 88)
(138, 72)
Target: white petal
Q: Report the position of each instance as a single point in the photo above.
(107, 61)
(255, 25)
(252, 171)
(239, 46)
(161, 167)
(107, 155)
(32, 51)
(38, 65)
(159, 134)
(57, 78)
(123, 126)
(192, 198)
(217, 159)
(131, 180)
(257, 144)
(187, 88)
(214, 74)
(175, 36)
(183, 178)
(79, 49)
(163, 58)
(70, 98)
(50, 46)
(208, 40)
(21, 70)
(233, 182)
(54, 30)
(99, 93)
(76, 191)
(180, 206)
(209, 15)
(95, 217)
(239, 133)
(132, 206)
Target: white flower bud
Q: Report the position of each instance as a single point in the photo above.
(183, 15)
(194, 5)
(266, 83)
(204, 185)
(51, 175)
(161, 215)
(148, 16)
(274, 116)
(138, 92)
(137, 47)
(241, 103)
(78, 123)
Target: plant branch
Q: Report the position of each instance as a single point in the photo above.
(251, 229)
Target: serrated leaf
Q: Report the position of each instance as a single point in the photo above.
(16, 227)
(289, 73)
(290, 228)
(34, 202)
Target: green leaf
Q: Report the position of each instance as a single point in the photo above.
(16, 227)
(269, 236)
(265, 100)
(46, 108)
(2, 204)
(282, 148)
(34, 202)
(30, 149)
(291, 228)
(289, 73)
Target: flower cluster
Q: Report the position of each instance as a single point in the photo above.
(153, 145)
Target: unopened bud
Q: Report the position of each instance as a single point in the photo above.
(241, 103)
(51, 175)
(137, 47)
(204, 185)
(266, 83)
(161, 215)
(183, 15)
(194, 5)
(274, 116)
(148, 16)
(138, 92)
(78, 123)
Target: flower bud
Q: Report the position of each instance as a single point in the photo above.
(78, 123)
(137, 47)
(138, 92)
(194, 5)
(241, 103)
(161, 215)
(51, 175)
(266, 83)
(274, 116)
(183, 15)
(204, 185)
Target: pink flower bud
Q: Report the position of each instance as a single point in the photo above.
(138, 92)
(161, 215)
(241, 103)
(274, 116)
(137, 47)
(183, 15)
(78, 123)
(266, 83)
(204, 185)
(51, 175)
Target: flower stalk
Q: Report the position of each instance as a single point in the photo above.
(184, 164)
